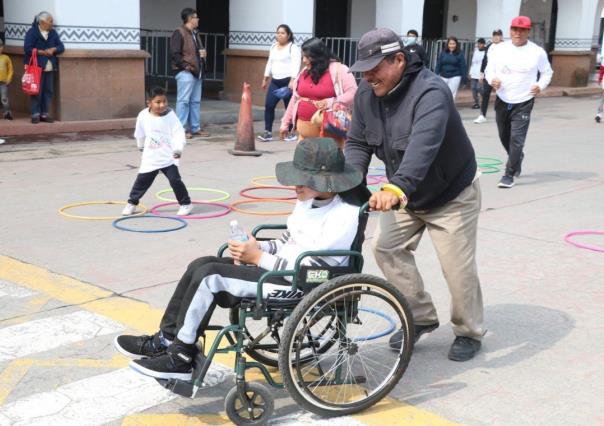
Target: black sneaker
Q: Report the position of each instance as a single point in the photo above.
(175, 363)
(138, 346)
(266, 136)
(46, 119)
(598, 118)
(475, 106)
(506, 181)
(463, 349)
(396, 338)
(8, 116)
(35, 119)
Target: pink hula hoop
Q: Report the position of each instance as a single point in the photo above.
(226, 210)
(591, 247)
(376, 179)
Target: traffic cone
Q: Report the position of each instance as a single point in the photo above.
(244, 145)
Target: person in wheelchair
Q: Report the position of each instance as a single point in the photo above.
(325, 217)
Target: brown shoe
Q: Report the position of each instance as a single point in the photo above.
(202, 134)
(188, 135)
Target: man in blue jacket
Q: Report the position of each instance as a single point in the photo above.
(45, 39)
(405, 115)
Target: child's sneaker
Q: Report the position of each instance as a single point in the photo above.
(8, 115)
(599, 117)
(175, 363)
(291, 137)
(129, 209)
(185, 210)
(265, 137)
(139, 346)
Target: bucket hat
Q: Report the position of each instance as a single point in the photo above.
(374, 46)
(319, 164)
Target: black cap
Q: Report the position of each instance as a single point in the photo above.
(374, 46)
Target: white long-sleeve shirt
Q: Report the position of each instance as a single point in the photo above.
(477, 58)
(517, 67)
(284, 62)
(160, 137)
(328, 227)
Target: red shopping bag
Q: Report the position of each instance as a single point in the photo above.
(30, 82)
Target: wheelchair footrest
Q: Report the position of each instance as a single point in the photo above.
(177, 386)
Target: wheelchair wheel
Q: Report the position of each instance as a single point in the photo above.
(267, 334)
(255, 410)
(359, 368)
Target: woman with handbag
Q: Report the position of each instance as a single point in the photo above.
(324, 84)
(42, 37)
(281, 68)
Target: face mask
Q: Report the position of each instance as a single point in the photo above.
(409, 41)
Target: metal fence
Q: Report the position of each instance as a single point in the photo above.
(157, 44)
(346, 49)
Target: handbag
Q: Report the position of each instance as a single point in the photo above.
(30, 82)
(337, 120)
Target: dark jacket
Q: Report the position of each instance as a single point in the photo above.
(34, 40)
(485, 60)
(451, 65)
(184, 52)
(419, 50)
(418, 134)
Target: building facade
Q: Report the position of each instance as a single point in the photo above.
(102, 72)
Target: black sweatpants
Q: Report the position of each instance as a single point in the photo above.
(486, 95)
(209, 281)
(144, 181)
(512, 123)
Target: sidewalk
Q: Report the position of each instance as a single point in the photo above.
(217, 112)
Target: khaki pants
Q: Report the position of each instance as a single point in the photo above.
(452, 228)
(306, 129)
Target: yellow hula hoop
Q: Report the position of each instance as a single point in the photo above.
(264, 200)
(225, 195)
(87, 203)
(257, 179)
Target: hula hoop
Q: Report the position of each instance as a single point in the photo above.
(183, 224)
(226, 211)
(87, 203)
(264, 200)
(488, 161)
(257, 179)
(485, 169)
(376, 179)
(225, 195)
(390, 329)
(591, 247)
(244, 191)
(379, 168)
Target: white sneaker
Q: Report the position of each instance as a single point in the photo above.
(129, 209)
(291, 137)
(481, 119)
(185, 210)
(2, 141)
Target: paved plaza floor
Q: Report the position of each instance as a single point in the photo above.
(68, 287)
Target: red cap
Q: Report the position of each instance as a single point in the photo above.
(521, 22)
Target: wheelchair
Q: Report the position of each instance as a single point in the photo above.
(331, 345)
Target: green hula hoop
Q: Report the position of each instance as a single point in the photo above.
(488, 169)
(488, 161)
(224, 195)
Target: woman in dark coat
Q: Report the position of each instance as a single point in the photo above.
(45, 39)
(451, 65)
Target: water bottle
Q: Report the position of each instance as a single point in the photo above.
(237, 234)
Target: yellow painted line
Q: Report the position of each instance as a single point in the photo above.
(10, 377)
(175, 420)
(140, 316)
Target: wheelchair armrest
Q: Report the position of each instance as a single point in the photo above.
(222, 249)
(267, 226)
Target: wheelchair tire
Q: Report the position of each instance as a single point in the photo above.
(312, 384)
(269, 357)
(262, 405)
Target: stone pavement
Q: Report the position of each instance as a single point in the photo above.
(68, 287)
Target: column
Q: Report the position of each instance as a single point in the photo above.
(252, 29)
(572, 58)
(101, 74)
(400, 16)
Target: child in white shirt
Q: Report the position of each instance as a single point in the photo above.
(161, 137)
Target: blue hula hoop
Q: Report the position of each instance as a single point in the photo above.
(182, 224)
(390, 329)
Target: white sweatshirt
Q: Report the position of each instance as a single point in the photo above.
(329, 227)
(517, 67)
(160, 137)
(476, 63)
(283, 63)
